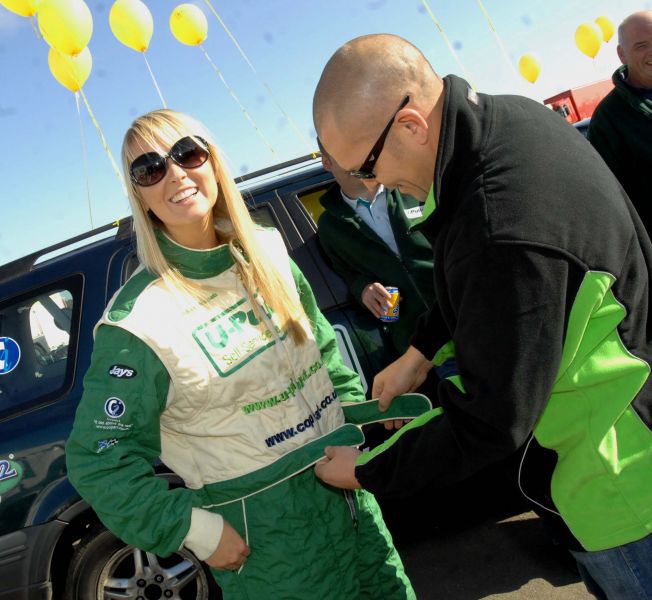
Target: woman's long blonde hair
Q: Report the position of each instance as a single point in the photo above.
(162, 128)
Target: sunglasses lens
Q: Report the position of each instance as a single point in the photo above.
(362, 175)
(188, 153)
(148, 169)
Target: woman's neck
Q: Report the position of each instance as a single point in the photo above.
(197, 237)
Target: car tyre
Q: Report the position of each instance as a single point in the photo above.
(105, 567)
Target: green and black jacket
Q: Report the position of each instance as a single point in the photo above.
(542, 273)
(621, 131)
(361, 257)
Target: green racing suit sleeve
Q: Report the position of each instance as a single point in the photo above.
(346, 381)
(116, 439)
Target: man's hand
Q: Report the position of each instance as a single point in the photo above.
(376, 298)
(404, 375)
(231, 552)
(395, 423)
(338, 468)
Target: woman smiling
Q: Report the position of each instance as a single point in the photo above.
(235, 382)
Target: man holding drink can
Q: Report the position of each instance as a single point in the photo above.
(365, 233)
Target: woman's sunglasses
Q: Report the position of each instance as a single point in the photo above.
(150, 168)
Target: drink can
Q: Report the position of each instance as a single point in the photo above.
(391, 314)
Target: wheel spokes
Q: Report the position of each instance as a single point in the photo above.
(181, 574)
(138, 562)
(118, 589)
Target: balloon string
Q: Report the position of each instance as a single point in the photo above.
(32, 20)
(448, 44)
(242, 108)
(294, 126)
(501, 45)
(154, 80)
(104, 144)
(85, 159)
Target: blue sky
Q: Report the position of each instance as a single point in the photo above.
(45, 192)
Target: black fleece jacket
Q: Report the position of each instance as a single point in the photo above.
(524, 208)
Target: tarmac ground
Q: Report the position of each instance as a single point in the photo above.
(496, 559)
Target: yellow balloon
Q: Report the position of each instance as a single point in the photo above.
(24, 8)
(70, 71)
(67, 25)
(606, 27)
(132, 23)
(528, 67)
(188, 24)
(588, 40)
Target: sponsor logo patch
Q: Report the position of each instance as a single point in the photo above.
(9, 355)
(414, 213)
(104, 444)
(122, 372)
(10, 475)
(114, 408)
(235, 336)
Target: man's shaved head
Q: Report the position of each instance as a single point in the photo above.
(361, 93)
(635, 18)
(635, 48)
(369, 76)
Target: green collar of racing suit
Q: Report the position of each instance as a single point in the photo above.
(192, 263)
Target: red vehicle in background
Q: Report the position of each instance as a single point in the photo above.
(579, 103)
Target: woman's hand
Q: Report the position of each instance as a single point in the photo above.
(231, 552)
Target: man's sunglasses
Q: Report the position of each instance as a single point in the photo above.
(150, 168)
(366, 171)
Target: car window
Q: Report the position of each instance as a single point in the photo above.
(310, 200)
(263, 216)
(37, 345)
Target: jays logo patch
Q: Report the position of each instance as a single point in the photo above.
(114, 408)
(122, 372)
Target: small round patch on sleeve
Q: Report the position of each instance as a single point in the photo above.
(114, 408)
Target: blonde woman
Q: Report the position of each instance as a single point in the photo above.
(215, 357)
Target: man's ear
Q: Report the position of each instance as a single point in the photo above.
(326, 162)
(414, 122)
(621, 55)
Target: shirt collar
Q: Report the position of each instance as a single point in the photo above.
(352, 202)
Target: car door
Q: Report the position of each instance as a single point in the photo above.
(293, 208)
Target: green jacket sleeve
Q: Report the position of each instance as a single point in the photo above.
(115, 440)
(346, 381)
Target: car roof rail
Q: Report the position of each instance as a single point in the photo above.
(26, 263)
(278, 167)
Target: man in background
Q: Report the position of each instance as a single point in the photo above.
(365, 233)
(621, 126)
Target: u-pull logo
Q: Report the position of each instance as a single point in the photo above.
(219, 334)
(236, 335)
